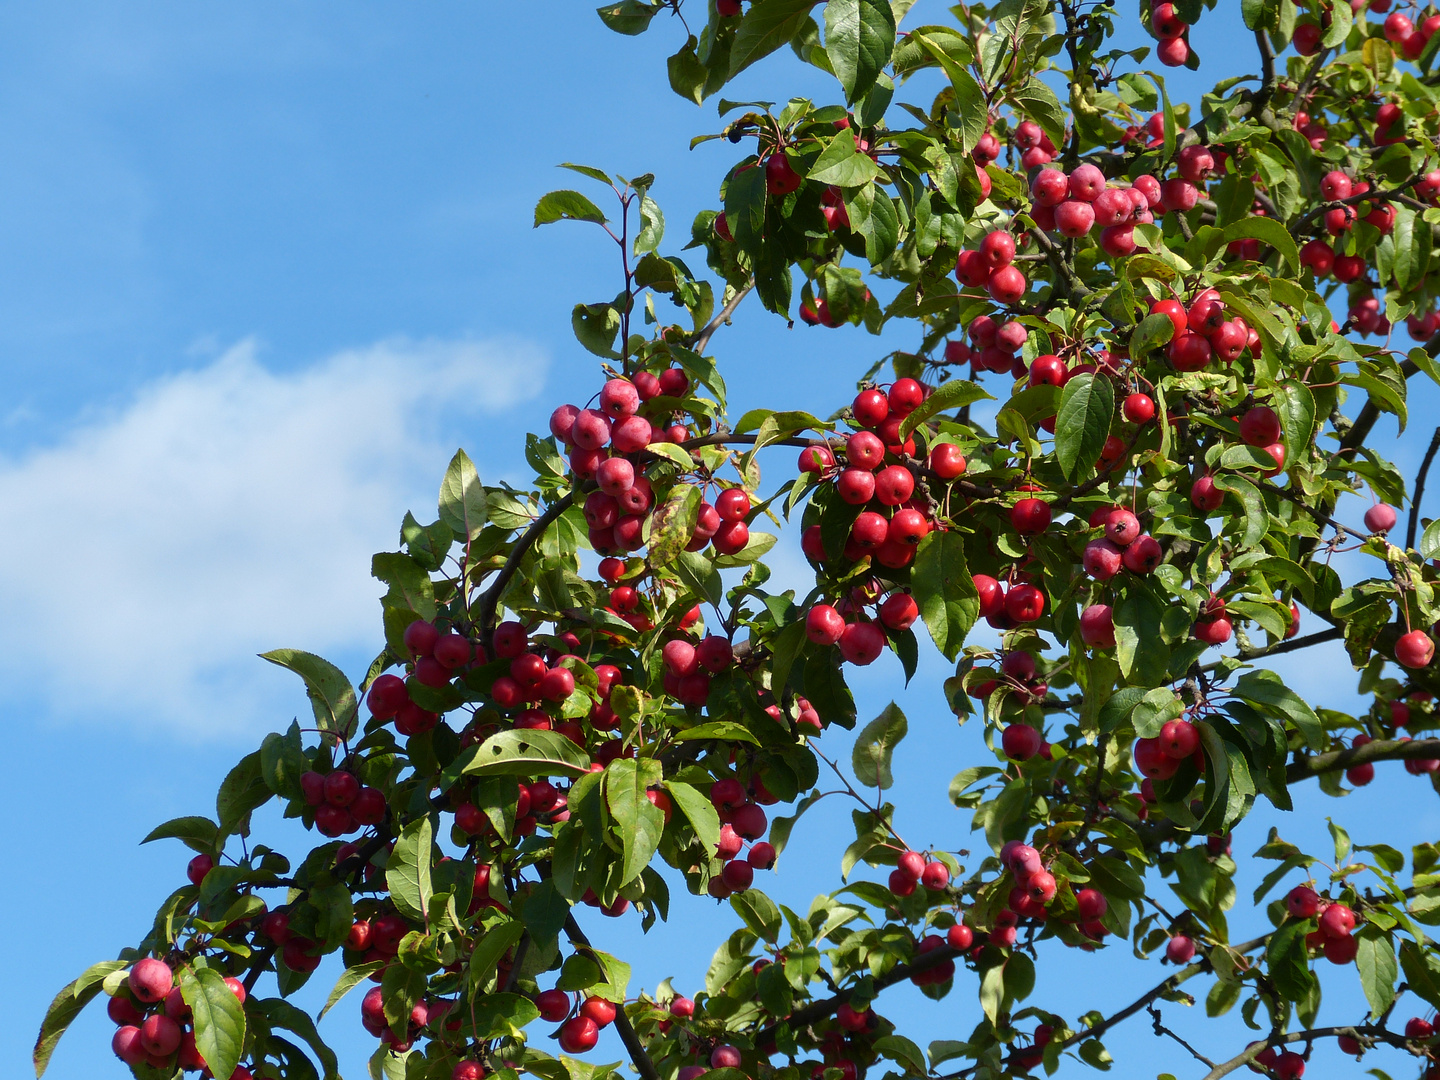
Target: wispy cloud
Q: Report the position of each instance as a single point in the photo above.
(150, 553)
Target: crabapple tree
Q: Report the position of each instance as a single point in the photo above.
(590, 698)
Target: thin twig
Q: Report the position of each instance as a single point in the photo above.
(1420, 489)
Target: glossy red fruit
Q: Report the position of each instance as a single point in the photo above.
(150, 980)
(1179, 739)
(894, 484)
(1025, 603)
(1139, 408)
(1007, 285)
(1097, 626)
(1414, 649)
(992, 595)
(946, 461)
(1121, 527)
(1021, 742)
(1180, 949)
(579, 1034)
(1048, 370)
(1204, 495)
(1153, 762)
(1380, 518)
(824, 624)
(862, 643)
(780, 177)
(1030, 516)
(899, 611)
(1143, 555)
(1260, 426)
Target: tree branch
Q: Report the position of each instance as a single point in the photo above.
(703, 338)
(490, 598)
(1096, 1030)
(623, 1026)
(1420, 489)
(1376, 750)
(1371, 1031)
(819, 1010)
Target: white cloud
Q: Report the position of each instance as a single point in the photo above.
(225, 511)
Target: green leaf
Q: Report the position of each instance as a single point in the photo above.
(1341, 19)
(407, 872)
(198, 833)
(566, 206)
(595, 327)
(1265, 690)
(282, 1014)
(462, 497)
(1422, 972)
(1285, 954)
(283, 762)
(1087, 406)
(1257, 518)
(1268, 231)
(242, 791)
(944, 590)
(870, 757)
(629, 17)
(410, 585)
(652, 226)
(745, 206)
(767, 25)
(332, 698)
(1430, 541)
(673, 523)
(545, 912)
(638, 821)
(759, 912)
(218, 1017)
(699, 811)
(1375, 961)
(1143, 656)
(1039, 103)
(587, 170)
(969, 111)
(349, 979)
(859, 38)
(1295, 404)
(842, 164)
(954, 394)
(1152, 332)
(521, 753)
(67, 1005)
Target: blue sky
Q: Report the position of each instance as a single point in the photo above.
(262, 268)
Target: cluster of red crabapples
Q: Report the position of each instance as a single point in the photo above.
(153, 1021)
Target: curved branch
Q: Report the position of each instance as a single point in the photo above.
(1376, 750)
(490, 598)
(703, 338)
